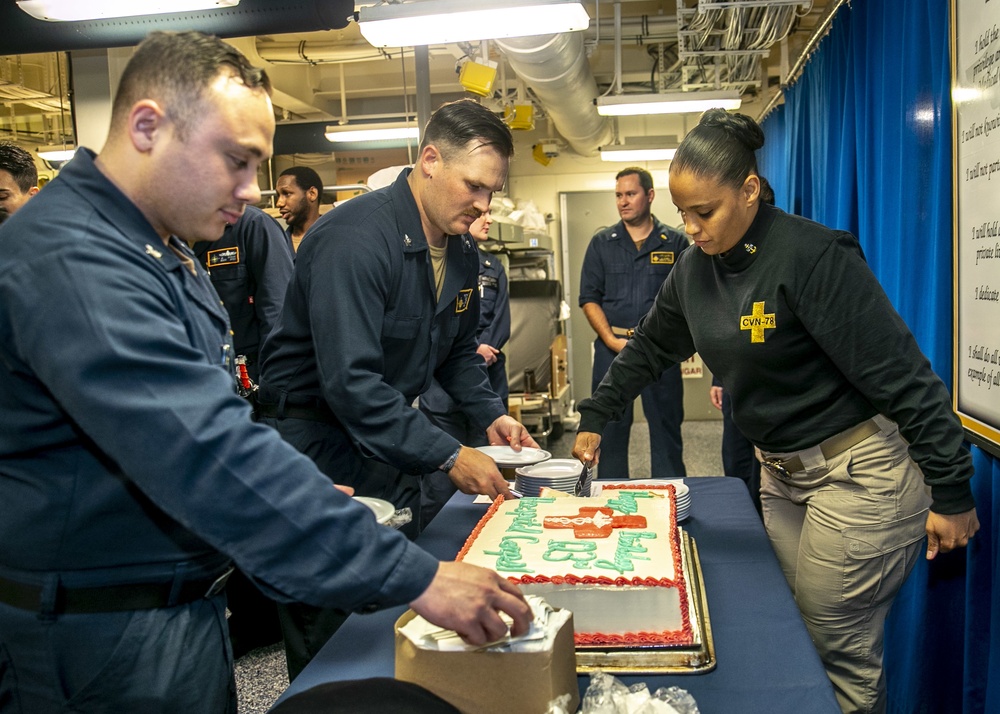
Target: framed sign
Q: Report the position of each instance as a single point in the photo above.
(975, 91)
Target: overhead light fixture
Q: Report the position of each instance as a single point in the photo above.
(75, 10)
(436, 22)
(56, 154)
(647, 148)
(666, 103)
(372, 132)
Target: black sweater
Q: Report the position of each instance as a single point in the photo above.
(797, 327)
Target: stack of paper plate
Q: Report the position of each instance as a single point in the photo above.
(683, 501)
(560, 474)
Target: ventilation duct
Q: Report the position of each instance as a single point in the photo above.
(556, 69)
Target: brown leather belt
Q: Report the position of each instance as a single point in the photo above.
(113, 598)
(625, 332)
(834, 446)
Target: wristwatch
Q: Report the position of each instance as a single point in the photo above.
(450, 462)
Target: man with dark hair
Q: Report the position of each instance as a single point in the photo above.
(18, 178)
(384, 298)
(130, 470)
(622, 271)
(299, 190)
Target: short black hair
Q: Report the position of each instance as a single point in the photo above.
(19, 164)
(722, 146)
(645, 178)
(175, 68)
(456, 124)
(305, 177)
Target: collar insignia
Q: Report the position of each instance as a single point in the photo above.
(150, 250)
(750, 248)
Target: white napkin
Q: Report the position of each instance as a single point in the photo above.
(539, 637)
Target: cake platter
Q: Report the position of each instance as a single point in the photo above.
(697, 658)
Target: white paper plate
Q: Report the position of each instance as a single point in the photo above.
(383, 510)
(553, 469)
(507, 458)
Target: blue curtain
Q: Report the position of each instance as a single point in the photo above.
(863, 143)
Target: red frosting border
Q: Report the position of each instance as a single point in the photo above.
(683, 636)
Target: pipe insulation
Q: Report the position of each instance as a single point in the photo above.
(556, 69)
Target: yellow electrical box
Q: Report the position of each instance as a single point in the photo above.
(521, 116)
(478, 78)
(539, 155)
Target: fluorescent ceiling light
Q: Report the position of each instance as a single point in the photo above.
(648, 148)
(55, 154)
(434, 22)
(73, 10)
(666, 103)
(372, 132)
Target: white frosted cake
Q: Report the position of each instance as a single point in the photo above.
(615, 561)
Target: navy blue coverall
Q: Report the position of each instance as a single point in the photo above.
(624, 283)
(361, 336)
(129, 464)
(494, 330)
(250, 267)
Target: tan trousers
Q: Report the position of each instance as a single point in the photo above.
(847, 533)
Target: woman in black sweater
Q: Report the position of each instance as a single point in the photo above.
(861, 449)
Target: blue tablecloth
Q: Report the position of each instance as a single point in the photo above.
(766, 662)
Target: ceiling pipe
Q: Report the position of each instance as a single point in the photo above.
(556, 69)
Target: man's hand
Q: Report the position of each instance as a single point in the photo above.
(475, 472)
(507, 430)
(488, 353)
(616, 344)
(468, 599)
(587, 447)
(946, 533)
(715, 394)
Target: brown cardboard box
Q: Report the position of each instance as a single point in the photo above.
(492, 682)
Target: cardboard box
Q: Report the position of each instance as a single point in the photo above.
(492, 682)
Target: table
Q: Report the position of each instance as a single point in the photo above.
(766, 662)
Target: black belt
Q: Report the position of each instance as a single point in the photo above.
(113, 598)
(321, 413)
(834, 446)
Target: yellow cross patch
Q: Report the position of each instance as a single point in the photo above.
(662, 257)
(757, 322)
(462, 300)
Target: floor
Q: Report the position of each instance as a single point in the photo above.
(261, 676)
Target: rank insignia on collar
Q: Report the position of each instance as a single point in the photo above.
(406, 241)
(462, 300)
(750, 248)
(150, 250)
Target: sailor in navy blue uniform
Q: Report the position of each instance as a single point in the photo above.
(384, 299)
(494, 331)
(130, 470)
(622, 271)
(250, 267)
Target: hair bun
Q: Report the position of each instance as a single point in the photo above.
(739, 126)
